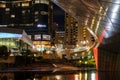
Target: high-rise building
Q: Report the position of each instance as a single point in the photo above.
(15, 13)
(43, 24)
(76, 34)
(71, 31)
(34, 16)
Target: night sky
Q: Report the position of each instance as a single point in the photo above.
(58, 17)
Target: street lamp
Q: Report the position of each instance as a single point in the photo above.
(86, 63)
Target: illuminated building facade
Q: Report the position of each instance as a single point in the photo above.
(71, 31)
(76, 34)
(34, 16)
(15, 38)
(43, 24)
(59, 39)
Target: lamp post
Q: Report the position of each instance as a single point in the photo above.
(86, 64)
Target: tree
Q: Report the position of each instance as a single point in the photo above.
(4, 51)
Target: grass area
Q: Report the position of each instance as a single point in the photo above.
(84, 62)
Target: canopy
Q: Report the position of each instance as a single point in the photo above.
(15, 33)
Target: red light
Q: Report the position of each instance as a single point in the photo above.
(55, 24)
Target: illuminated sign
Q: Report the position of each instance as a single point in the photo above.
(41, 25)
(9, 35)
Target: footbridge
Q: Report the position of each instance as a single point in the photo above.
(102, 20)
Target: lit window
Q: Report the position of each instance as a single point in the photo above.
(2, 5)
(76, 24)
(18, 4)
(42, 1)
(37, 37)
(46, 37)
(11, 24)
(7, 9)
(25, 4)
(36, 20)
(45, 1)
(12, 16)
(23, 11)
(36, 12)
(43, 13)
(37, 1)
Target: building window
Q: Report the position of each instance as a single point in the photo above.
(45, 1)
(46, 37)
(2, 5)
(7, 9)
(37, 37)
(42, 1)
(23, 11)
(12, 16)
(44, 13)
(25, 4)
(37, 1)
(12, 24)
(36, 12)
(36, 20)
